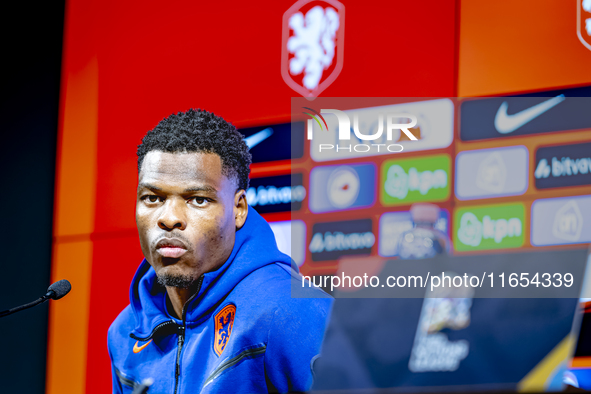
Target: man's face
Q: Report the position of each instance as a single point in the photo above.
(187, 213)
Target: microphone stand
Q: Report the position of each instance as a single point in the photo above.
(56, 291)
(27, 306)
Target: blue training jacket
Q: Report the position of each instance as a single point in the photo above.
(242, 332)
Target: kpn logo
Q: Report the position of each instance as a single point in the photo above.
(489, 227)
(411, 180)
(392, 125)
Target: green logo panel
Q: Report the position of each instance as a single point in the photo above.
(489, 227)
(412, 180)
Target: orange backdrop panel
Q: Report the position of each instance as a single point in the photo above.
(514, 46)
(74, 202)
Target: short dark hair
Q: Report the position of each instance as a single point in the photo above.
(197, 130)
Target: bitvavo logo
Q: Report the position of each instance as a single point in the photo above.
(392, 124)
(563, 167)
(489, 227)
(337, 241)
(331, 240)
(271, 195)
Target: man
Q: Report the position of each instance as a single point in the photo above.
(211, 305)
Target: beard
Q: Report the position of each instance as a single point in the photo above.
(180, 281)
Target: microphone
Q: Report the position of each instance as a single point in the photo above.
(56, 291)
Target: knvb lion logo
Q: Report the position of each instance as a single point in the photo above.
(584, 22)
(224, 321)
(312, 45)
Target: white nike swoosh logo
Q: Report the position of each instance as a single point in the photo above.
(257, 138)
(506, 124)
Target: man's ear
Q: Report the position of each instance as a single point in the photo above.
(240, 208)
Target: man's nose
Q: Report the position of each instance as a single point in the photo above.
(173, 215)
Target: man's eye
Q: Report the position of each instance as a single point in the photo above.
(199, 201)
(152, 198)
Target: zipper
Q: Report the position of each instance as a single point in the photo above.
(181, 340)
(248, 353)
(177, 370)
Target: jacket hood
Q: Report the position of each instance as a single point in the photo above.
(254, 247)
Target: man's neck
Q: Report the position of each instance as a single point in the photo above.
(178, 298)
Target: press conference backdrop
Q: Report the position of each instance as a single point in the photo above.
(500, 185)
(127, 66)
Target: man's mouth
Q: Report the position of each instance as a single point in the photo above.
(171, 251)
(172, 248)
